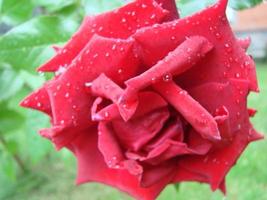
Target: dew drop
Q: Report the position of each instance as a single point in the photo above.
(228, 48)
(62, 122)
(114, 47)
(143, 5)
(218, 36)
(237, 75)
(39, 104)
(88, 84)
(153, 16)
(167, 78)
(67, 95)
(119, 71)
(106, 114)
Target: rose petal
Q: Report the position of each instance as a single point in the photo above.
(38, 100)
(153, 174)
(173, 131)
(190, 109)
(139, 131)
(218, 162)
(120, 23)
(111, 112)
(170, 65)
(227, 60)
(69, 100)
(91, 167)
(109, 146)
(244, 43)
(169, 5)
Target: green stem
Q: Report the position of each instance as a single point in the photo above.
(15, 156)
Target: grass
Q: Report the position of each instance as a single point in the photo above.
(246, 181)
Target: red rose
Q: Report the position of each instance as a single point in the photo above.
(144, 99)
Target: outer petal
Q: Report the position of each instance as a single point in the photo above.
(120, 23)
(169, 5)
(217, 163)
(227, 60)
(69, 99)
(38, 100)
(91, 167)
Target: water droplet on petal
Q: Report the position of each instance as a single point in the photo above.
(67, 95)
(88, 84)
(167, 78)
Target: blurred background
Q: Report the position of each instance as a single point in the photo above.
(30, 168)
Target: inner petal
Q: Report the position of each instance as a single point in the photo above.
(137, 132)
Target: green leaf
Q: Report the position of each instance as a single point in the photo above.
(53, 5)
(10, 81)
(9, 168)
(13, 12)
(9, 119)
(34, 122)
(33, 81)
(188, 7)
(29, 45)
(97, 6)
(244, 4)
(12, 146)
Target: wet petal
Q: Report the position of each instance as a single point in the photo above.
(190, 109)
(120, 23)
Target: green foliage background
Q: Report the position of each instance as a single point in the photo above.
(29, 29)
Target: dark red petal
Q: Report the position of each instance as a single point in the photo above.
(91, 167)
(172, 131)
(70, 101)
(223, 121)
(169, 148)
(190, 109)
(169, 5)
(153, 174)
(194, 48)
(218, 162)
(253, 135)
(108, 145)
(120, 23)
(38, 100)
(183, 175)
(103, 86)
(59, 135)
(111, 112)
(139, 131)
(227, 60)
(251, 112)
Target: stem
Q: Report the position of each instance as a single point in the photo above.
(15, 156)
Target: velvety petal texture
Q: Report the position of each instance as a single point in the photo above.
(144, 99)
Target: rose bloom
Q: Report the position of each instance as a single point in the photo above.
(144, 99)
